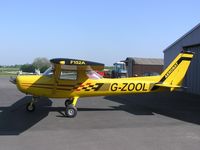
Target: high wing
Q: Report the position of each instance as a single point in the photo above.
(78, 64)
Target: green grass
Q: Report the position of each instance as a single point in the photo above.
(7, 71)
(7, 74)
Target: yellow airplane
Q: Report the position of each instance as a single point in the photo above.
(72, 79)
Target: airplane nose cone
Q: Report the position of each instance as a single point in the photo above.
(18, 82)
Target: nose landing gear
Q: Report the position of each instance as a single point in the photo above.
(30, 107)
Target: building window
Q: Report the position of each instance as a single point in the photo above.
(68, 75)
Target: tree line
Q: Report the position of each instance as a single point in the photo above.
(40, 63)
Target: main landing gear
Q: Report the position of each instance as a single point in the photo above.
(70, 104)
(71, 110)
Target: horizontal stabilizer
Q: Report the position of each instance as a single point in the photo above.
(167, 85)
(172, 87)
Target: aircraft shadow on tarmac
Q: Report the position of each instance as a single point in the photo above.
(177, 105)
(14, 119)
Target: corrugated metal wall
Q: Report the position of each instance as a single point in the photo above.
(191, 38)
(192, 79)
(170, 55)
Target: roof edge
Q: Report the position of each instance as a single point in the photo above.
(182, 37)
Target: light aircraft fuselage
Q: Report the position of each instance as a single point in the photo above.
(72, 79)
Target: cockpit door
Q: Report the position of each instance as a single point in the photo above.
(67, 79)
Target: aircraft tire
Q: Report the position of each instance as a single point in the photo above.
(30, 107)
(71, 111)
(68, 102)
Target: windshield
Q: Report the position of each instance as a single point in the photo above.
(93, 75)
(120, 66)
(48, 72)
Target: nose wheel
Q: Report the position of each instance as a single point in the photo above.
(71, 110)
(30, 107)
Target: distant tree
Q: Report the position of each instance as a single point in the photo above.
(17, 66)
(27, 68)
(41, 63)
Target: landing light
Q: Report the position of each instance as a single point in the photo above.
(62, 62)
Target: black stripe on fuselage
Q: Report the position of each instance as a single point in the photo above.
(51, 86)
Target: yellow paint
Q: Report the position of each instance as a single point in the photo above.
(77, 62)
(75, 101)
(53, 87)
(62, 62)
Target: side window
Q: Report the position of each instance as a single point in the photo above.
(68, 75)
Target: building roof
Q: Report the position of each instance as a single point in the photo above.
(147, 61)
(182, 37)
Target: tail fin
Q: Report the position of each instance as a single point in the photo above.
(174, 74)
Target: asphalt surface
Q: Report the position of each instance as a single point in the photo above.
(158, 121)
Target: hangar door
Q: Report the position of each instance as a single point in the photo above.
(192, 79)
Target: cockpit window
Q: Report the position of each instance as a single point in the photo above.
(68, 75)
(93, 75)
(48, 72)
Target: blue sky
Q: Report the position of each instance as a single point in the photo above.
(97, 30)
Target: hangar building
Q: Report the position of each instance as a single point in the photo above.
(143, 66)
(190, 42)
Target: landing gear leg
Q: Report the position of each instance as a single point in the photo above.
(71, 110)
(30, 107)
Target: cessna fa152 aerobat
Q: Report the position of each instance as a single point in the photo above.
(72, 79)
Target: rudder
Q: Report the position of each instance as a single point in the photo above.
(175, 72)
